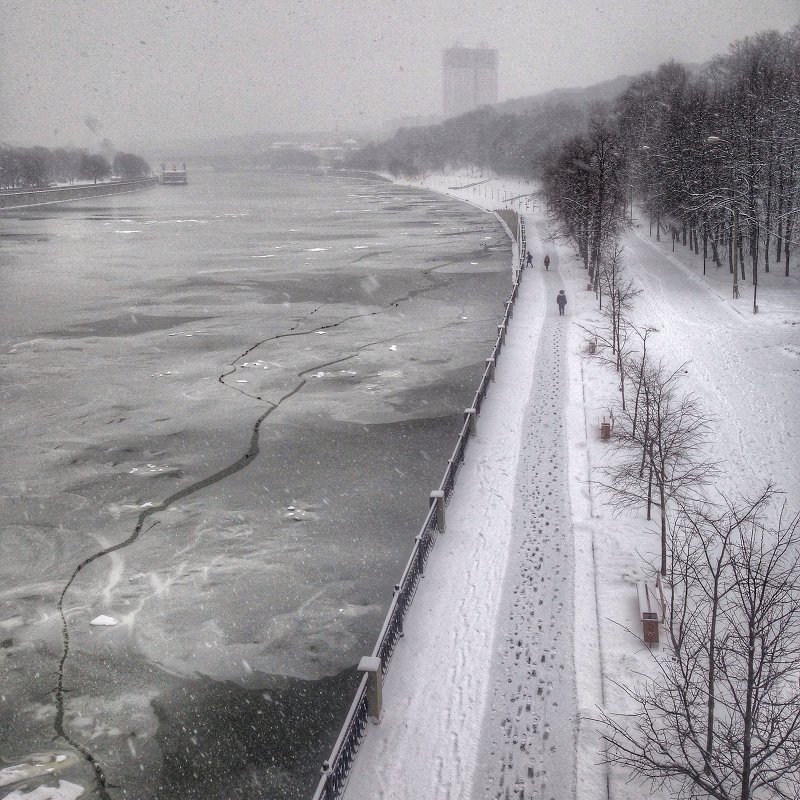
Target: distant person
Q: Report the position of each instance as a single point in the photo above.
(529, 260)
(546, 262)
(562, 301)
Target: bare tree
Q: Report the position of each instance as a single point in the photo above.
(720, 717)
(660, 444)
(620, 292)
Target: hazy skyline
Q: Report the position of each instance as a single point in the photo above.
(138, 71)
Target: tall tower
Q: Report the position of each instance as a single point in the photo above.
(469, 79)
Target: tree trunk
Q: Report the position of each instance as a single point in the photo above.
(712, 672)
(730, 254)
(663, 499)
(768, 215)
(779, 215)
(740, 248)
(747, 732)
(789, 214)
(714, 246)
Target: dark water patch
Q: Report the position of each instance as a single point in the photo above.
(22, 237)
(123, 325)
(436, 397)
(466, 257)
(381, 286)
(419, 224)
(336, 236)
(223, 741)
(77, 210)
(395, 207)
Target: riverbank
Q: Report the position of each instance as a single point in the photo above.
(30, 198)
(145, 338)
(465, 730)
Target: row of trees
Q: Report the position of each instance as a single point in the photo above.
(712, 157)
(585, 184)
(717, 153)
(720, 716)
(38, 167)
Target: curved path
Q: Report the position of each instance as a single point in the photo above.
(479, 699)
(744, 367)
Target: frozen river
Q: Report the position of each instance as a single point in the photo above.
(224, 406)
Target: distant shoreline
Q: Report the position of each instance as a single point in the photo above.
(31, 198)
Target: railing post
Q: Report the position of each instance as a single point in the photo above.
(510, 308)
(400, 632)
(372, 666)
(437, 497)
(501, 332)
(490, 362)
(471, 416)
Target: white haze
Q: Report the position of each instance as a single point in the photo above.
(79, 71)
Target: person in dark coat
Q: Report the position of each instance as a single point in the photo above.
(561, 299)
(529, 260)
(546, 262)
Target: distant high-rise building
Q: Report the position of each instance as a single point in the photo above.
(469, 79)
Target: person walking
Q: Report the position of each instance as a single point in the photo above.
(561, 299)
(529, 260)
(546, 262)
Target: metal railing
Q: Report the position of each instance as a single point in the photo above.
(336, 770)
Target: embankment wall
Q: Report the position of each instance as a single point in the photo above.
(63, 194)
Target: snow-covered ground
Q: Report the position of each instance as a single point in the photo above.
(477, 698)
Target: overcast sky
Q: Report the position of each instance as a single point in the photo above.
(142, 70)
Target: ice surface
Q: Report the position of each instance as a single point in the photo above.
(221, 576)
(103, 619)
(37, 765)
(64, 791)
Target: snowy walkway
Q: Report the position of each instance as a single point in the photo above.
(529, 732)
(479, 696)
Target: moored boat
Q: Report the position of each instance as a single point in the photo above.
(174, 176)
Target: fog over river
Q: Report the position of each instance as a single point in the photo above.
(224, 407)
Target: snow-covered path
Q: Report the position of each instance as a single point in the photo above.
(528, 741)
(743, 366)
(479, 699)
